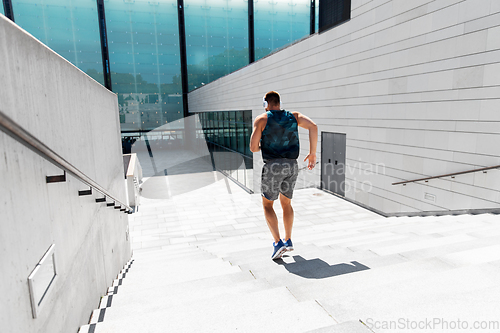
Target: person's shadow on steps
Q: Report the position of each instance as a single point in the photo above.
(319, 269)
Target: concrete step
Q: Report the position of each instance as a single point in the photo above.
(171, 248)
(235, 246)
(263, 254)
(405, 238)
(359, 238)
(165, 257)
(354, 326)
(296, 317)
(177, 289)
(334, 285)
(163, 273)
(483, 254)
(182, 294)
(442, 250)
(420, 244)
(174, 249)
(485, 232)
(206, 314)
(466, 293)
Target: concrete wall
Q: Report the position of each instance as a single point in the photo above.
(415, 86)
(77, 118)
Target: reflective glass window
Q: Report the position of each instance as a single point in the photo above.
(1, 9)
(203, 120)
(216, 127)
(227, 139)
(247, 118)
(145, 61)
(210, 125)
(221, 128)
(216, 39)
(333, 13)
(240, 129)
(278, 23)
(69, 27)
(232, 130)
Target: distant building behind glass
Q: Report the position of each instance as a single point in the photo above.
(144, 46)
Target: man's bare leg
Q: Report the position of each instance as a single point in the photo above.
(271, 218)
(286, 204)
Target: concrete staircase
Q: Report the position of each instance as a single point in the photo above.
(351, 272)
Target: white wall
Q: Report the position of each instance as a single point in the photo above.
(77, 118)
(415, 86)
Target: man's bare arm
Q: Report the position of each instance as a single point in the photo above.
(258, 127)
(306, 122)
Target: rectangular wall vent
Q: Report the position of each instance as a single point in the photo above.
(41, 279)
(430, 197)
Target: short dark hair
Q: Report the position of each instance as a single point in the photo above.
(272, 97)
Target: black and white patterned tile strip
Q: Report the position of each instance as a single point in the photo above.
(106, 301)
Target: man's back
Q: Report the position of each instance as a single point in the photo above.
(280, 137)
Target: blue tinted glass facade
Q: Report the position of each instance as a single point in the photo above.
(69, 27)
(216, 39)
(278, 23)
(1, 10)
(144, 47)
(145, 62)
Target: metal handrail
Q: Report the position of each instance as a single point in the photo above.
(19, 134)
(447, 175)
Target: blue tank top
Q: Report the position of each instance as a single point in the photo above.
(280, 137)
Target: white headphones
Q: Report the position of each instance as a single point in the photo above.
(265, 104)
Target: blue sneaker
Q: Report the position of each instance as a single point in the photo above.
(288, 245)
(279, 249)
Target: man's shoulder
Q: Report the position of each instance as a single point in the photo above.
(261, 117)
(261, 120)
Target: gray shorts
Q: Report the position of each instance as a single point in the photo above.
(279, 176)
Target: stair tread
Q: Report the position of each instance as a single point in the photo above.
(464, 292)
(256, 317)
(354, 326)
(168, 297)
